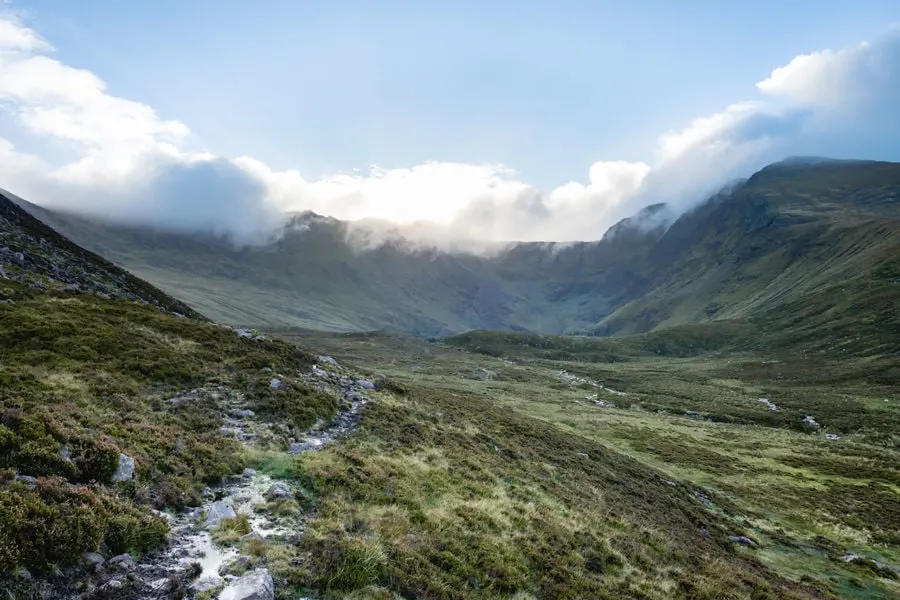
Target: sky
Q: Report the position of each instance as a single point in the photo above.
(503, 120)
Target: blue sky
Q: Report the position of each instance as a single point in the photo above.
(547, 88)
(543, 120)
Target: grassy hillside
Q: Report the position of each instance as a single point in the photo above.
(91, 359)
(813, 243)
(821, 512)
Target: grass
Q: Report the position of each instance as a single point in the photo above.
(83, 379)
(425, 472)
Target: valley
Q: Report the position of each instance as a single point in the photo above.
(304, 419)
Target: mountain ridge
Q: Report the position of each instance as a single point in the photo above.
(637, 277)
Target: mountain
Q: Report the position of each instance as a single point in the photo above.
(786, 235)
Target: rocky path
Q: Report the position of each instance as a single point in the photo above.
(194, 563)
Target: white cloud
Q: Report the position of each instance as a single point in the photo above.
(130, 164)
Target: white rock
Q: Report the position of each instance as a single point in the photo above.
(217, 512)
(275, 383)
(278, 490)
(257, 585)
(207, 583)
(125, 471)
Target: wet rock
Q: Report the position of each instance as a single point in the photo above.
(123, 562)
(257, 585)
(275, 383)
(278, 490)
(208, 583)
(125, 470)
(218, 511)
(743, 540)
(93, 559)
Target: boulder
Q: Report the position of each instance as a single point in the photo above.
(256, 585)
(207, 583)
(279, 490)
(365, 384)
(248, 473)
(121, 561)
(125, 470)
(217, 512)
(275, 383)
(93, 559)
(327, 360)
(245, 413)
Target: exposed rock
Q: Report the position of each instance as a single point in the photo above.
(257, 585)
(832, 436)
(275, 383)
(125, 470)
(23, 574)
(248, 473)
(245, 413)
(809, 420)
(93, 559)
(113, 584)
(218, 511)
(72, 287)
(743, 540)
(279, 490)
(65, 453)
(121, 561)
(208, 583)
(328, 361)
(365, 384)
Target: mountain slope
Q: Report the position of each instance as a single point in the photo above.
(804, 249)
(776, 242)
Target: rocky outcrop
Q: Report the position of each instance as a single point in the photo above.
(257, 585)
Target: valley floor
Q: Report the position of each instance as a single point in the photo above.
(752, 476)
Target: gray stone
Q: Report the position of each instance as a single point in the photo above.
(245, 413)
(279, 490)
(125, 470)
(65, 453)
(248, 473)
(207, 492)
(121, 561)
(93, 559)
(217, 512)
(365, 384)
(208, 583)
(19, 258)
(275, 383)
(253, 535)
(72, 287)
(114, 584)
(742, 539)
(328, 361)
(832, 436)
(257, 585)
